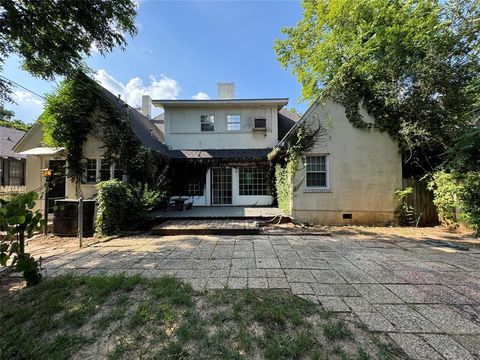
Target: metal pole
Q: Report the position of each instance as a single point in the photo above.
(80, 221)
(45, 205)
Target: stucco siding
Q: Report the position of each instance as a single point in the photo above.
(182, 128)
(364, 169)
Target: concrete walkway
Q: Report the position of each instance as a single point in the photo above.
(426, 298)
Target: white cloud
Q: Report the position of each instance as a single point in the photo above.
(24, 98)
(131, 92)
(201, 96)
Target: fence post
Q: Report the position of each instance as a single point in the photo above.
(80, 221)
(45, 205)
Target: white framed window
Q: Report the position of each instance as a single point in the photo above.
(207, 122)
(316, 172)
(117, 170)
(91, 171)
(253, 181)
(105, 170)
(233, 122)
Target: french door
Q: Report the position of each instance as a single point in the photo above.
(221, 186)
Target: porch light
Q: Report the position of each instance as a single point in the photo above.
(304, 160)
(47, 172)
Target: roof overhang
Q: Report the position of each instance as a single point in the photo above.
(278, 102)
(42, 151)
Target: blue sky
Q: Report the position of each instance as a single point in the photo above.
(182, 49)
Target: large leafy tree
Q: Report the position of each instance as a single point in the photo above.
(415, 65)
(52, 36)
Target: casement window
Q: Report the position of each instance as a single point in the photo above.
(233, 122)
(105, 170)
(207, 122)
(117, 171)
(16, 173)
(91, 171)
(253, 181)
(195, 188)
(316, 171)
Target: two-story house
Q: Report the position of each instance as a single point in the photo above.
(236, 135)
(217, 151)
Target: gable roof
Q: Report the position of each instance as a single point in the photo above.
(286, 120)
(299, 122)
(8, 138)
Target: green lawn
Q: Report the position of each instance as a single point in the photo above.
(134, 318)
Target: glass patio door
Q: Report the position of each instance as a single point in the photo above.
(221, 186)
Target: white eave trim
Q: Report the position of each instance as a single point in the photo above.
(42, 151)
(279, 102)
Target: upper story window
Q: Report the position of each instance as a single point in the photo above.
(207, 123)
(316, 171)
(233, 122)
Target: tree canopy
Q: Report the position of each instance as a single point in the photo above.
(51, 37)
(414, 64)
(7, 120)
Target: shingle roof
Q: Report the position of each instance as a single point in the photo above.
(8, 138)
(148, 134)
(286, 120)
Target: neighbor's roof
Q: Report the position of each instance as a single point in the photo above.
(225, 154)
(8, 138)
(279, 102)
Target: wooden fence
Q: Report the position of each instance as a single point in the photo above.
(7, 192)
(422, 201)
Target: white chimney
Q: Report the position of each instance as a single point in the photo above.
(147, 106)
(226, 90)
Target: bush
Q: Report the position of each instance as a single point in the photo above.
(115, 206)
(406, 213)
(452, 191)
(469, 196)
(124, 206)
(18, 219)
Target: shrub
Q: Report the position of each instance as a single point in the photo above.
(123, 206)
(18, 219)
(406, 212)
(452, 191)
(116, 207)
(445, 189)
(469, 196)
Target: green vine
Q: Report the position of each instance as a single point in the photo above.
(80, 108)
(285, 160)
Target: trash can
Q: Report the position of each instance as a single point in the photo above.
(65, 220)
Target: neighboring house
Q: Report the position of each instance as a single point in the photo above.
(350, 175)
(12, 165)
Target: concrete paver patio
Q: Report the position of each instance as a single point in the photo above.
(426, 298)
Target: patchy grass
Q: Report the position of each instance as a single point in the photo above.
(121, 317)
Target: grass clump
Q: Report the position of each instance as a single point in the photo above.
(166, 319)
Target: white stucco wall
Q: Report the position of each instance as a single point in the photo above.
(365, 168)
(34, 164)
(182, 128)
